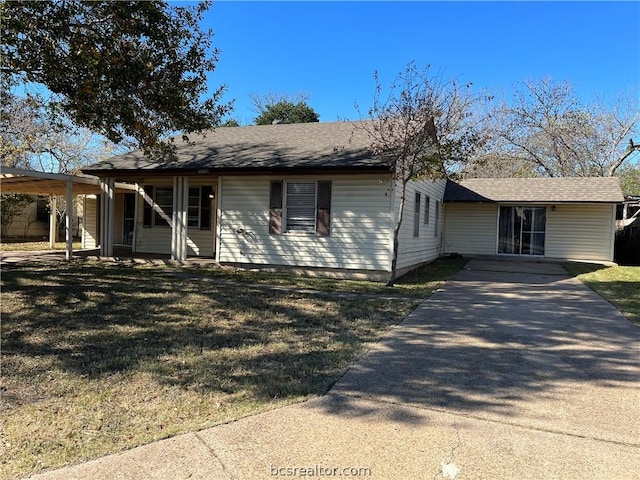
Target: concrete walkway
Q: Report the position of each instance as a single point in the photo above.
(511, 371)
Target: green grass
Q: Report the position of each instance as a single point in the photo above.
(619, 285)
(98, 358)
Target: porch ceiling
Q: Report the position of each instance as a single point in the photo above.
(15, 180)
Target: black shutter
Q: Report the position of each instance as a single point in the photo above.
(275, 208)
(147, 210)
(323, 215)
(206, 193)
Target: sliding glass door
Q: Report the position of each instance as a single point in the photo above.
(521, 230)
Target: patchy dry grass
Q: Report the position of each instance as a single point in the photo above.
(618, 285)
(419, 283)
(99, 358)
(34, 246)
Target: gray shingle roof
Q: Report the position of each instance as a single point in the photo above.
(532, 190)
(326, 146)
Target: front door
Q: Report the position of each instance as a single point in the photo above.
(521, 230)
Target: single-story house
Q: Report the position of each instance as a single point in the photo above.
(312, 196)
(558, 218)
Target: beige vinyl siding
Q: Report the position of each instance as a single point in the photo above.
(152, 239)
(359, 239)
(24, 224)
(426, 246)
(201, 243)
(158, 239)
(580, 232)
(90, 222)
(470, 229)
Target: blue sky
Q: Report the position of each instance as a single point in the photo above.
(330, 50)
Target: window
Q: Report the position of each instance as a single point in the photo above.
(42, 209)
(193, 208)
(164, 200)
(300, 207)
(436, 223)
(427, 202)
(198, 207)
(521, 230)
(416, 216)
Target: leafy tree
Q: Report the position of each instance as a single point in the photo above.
(426, 126)
(34, 136)
(287, 112)
(232, 122)
(260, 101)
(496, 165)
(547, 131)
(629, 175)
(122, 69)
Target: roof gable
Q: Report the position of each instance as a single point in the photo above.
(536, 190)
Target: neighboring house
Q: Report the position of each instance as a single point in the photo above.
(628, 213)
(628, 231)
(33, 221)
(309, 196)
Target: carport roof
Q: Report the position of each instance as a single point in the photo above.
(16, 180)
(535, 190)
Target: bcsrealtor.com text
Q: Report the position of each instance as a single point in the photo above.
(319, 471)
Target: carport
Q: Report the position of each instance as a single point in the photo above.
(16, 180)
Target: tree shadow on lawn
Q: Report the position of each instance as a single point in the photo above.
(473, 347)
(546, 350)
(100, 321)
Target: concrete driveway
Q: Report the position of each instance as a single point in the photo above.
(511, 371)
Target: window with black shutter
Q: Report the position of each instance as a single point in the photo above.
(300, 207)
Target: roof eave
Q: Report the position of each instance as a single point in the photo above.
(236, 171)
(538, 202)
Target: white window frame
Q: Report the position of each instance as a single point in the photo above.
(199, 207)
(436, 222)
(417, 206)
(166, 208)
(532, 232)
(427, 209)
(287, 207)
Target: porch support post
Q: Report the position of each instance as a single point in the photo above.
(53, 223)
(137, 197)
(68, 221)
(179, 219)
(218, 224)
(107, 189)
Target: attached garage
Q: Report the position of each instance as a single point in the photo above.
(556, 218)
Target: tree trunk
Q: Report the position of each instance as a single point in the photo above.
(396, 234)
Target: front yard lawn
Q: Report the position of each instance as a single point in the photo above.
(419, 283)
(98, 358)
(35, 246)
(619, 285)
